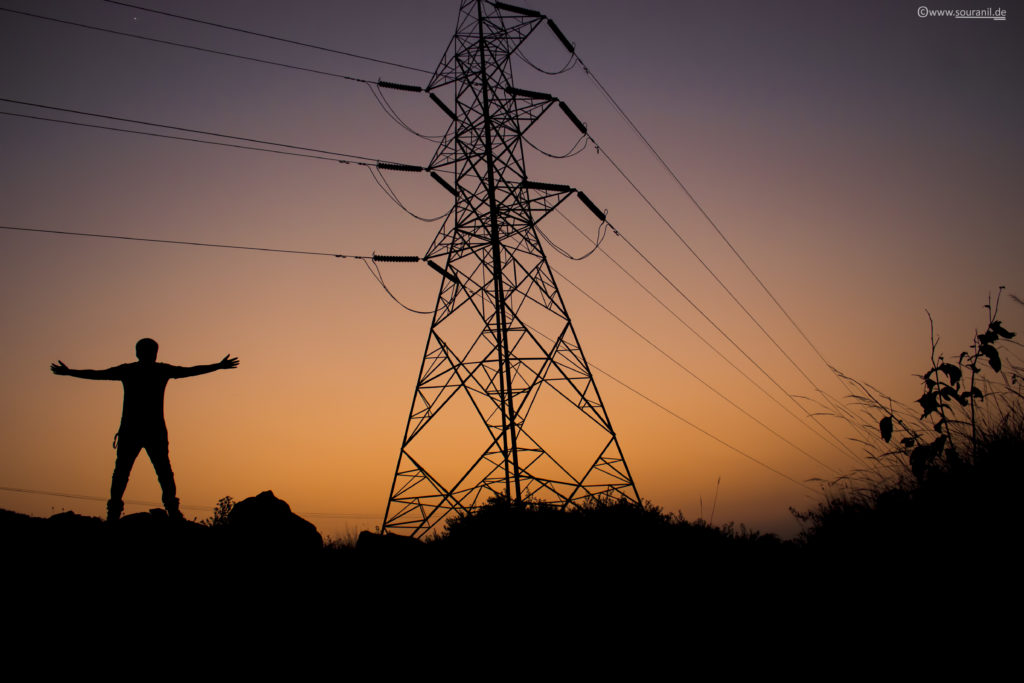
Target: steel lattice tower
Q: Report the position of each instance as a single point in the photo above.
(501, 342)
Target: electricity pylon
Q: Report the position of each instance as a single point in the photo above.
(501, 347)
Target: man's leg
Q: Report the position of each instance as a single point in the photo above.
(162, 464)
(127, 451)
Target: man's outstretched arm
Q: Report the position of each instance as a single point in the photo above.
(226, 363)
(59, 368)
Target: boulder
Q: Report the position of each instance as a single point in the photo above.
(389, 544)
(267, 523)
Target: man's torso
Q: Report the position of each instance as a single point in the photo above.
(142, 414)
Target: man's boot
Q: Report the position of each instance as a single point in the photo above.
(173, 509)
(114, 508)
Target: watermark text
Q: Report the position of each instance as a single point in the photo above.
(997, 14)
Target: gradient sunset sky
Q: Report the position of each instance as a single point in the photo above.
(865, 161)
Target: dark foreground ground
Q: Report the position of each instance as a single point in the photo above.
(597, 578)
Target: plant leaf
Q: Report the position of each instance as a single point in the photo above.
(885, 426)
(996, 327)
(993, 357)
(930, 404)
(953, 372)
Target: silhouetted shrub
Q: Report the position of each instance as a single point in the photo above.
(945, 494)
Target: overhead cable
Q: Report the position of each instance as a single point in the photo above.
(702, 211)
(385, 187)
(618, 108)
(161, 41)
(692, 374)
(370, 261)
(187, 139)
(842, 445)
(734, 298)
(577, 147)
(186, 243)
(267, 36)
(685, 421)
(374, 269)
(571, 64)
(602, 232)
(189, 130)
(699, 336)
(835, 404)
(393, 115)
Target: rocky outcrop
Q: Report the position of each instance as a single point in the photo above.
(267, 523)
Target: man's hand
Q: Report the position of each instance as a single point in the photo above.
(226, 363)
(59, 368)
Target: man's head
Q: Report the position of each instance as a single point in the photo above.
(145, 350)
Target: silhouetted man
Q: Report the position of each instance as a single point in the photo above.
(142, 418)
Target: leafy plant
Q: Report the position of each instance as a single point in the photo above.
(939, 467)
(220, 513)
(947, 403)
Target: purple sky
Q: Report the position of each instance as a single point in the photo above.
(865, 161)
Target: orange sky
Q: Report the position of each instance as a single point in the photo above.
(864, 161)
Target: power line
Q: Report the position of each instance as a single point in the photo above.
(370, 261)
(187, 46)
(703, 212)
(185, 139)
(687, 422)
(833, 402)
(732, 341)
(576, 148)
(379, 277)
(386, 188)
(694, 375)
(268, 36)
(602, 232)
(568, 66)
(697, 334)
(187, 243)
(188, 130)
(393, 115)
(704, 263)
(757, 365)
(733, 296)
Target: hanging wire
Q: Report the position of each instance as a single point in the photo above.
(379, 277)
(842, 445)
(699, 336)
(571, 64)
(179, 128)
(184, 242)
(382, 100)
(577, 147)
(222, 53)
(382, 183)
(602, 232)
(833, 402)
(370, 261)
(266, 35)
(187, 139)
(692, 374)
(684, 420)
